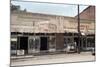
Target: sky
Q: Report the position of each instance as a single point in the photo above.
(48, 8)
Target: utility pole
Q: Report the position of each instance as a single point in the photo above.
(79, 33)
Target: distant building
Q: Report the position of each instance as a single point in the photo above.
(88, 13)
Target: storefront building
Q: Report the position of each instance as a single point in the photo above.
(35, 33)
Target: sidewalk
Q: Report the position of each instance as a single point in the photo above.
(58, 58)
(21, 57)
(36, 54)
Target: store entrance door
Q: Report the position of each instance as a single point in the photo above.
(43, 44)
(24, 44)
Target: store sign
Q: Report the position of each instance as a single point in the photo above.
(47, 27)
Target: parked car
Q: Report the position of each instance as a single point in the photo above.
(71, 47)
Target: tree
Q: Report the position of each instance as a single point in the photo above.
(14, 7)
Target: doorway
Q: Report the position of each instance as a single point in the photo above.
(43, 43)
(24, 44)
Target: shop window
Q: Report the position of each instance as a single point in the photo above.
(37, 43)
(13, 46)
(31, 43)
(52, 43)
(90, 42)
(34, 44)
(13, 43)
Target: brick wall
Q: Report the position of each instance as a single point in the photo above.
(88, 13)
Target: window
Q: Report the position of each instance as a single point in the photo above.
(52, 42)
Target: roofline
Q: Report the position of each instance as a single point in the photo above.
(40, 14)
(49, 15)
